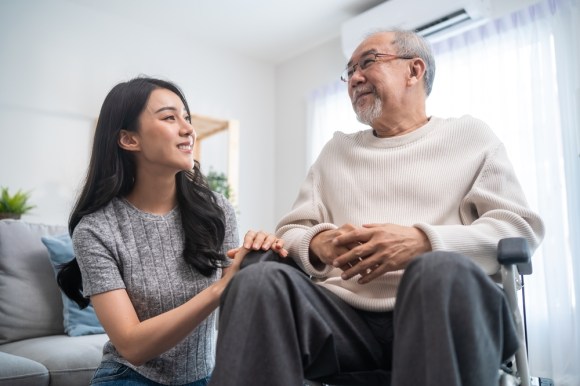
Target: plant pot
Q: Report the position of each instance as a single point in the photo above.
(14, 216)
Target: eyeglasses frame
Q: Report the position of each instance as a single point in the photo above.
(344, 76)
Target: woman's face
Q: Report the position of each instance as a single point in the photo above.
(165, 136)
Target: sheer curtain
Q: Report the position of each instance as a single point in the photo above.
(328, 110)
(520, 74)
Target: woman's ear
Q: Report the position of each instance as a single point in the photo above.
(128, 140)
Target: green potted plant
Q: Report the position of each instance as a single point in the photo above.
(14, 205)
(218, 182)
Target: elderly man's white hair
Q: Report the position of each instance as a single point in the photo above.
(410, 43)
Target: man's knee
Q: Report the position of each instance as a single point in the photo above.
(442, 274)
(260, 279)
(264, 270)
(442, 265)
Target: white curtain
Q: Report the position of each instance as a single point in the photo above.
(329, 110)
(520, 74)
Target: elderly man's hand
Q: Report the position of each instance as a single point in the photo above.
(378, 248)
(323, 249)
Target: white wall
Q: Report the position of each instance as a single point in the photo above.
(57, 62)
(295, 80)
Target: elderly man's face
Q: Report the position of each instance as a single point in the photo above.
(375, 80)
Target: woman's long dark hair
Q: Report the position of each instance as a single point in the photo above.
(112, 173)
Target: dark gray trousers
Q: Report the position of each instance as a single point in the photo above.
(451, 326)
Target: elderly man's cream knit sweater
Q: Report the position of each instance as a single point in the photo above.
(451, 178)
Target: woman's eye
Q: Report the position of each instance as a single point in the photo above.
(169, 118)
(187, 118)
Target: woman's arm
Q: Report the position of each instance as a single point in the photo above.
(139, 342)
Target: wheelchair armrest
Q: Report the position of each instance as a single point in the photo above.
(515, 250)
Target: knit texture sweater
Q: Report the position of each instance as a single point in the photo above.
(451, 178)
(121, 247)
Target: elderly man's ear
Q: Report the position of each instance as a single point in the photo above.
(416, 70)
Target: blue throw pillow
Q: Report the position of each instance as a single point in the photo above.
(77, 322)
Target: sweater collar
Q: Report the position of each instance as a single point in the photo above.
(134, 211)
(369, 139)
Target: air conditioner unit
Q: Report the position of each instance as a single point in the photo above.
(432, 19)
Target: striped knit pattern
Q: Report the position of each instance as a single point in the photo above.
(121, 247)
(451, 178)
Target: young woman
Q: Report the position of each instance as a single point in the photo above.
(150, 240)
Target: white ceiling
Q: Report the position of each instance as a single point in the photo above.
(269, 30)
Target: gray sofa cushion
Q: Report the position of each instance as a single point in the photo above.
(77, 321)
(30, 300)
(18, 371)
(69, 360)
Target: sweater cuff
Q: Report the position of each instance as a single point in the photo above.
(304, 251)
(437, 243)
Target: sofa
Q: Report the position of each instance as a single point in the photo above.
(42, 340)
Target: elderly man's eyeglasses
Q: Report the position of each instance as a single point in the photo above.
(368, 60)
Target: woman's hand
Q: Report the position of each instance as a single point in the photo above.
(255, 241)
(237, 255)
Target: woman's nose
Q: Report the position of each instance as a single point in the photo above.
(186, 128)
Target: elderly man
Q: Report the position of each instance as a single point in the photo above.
(396, 228)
